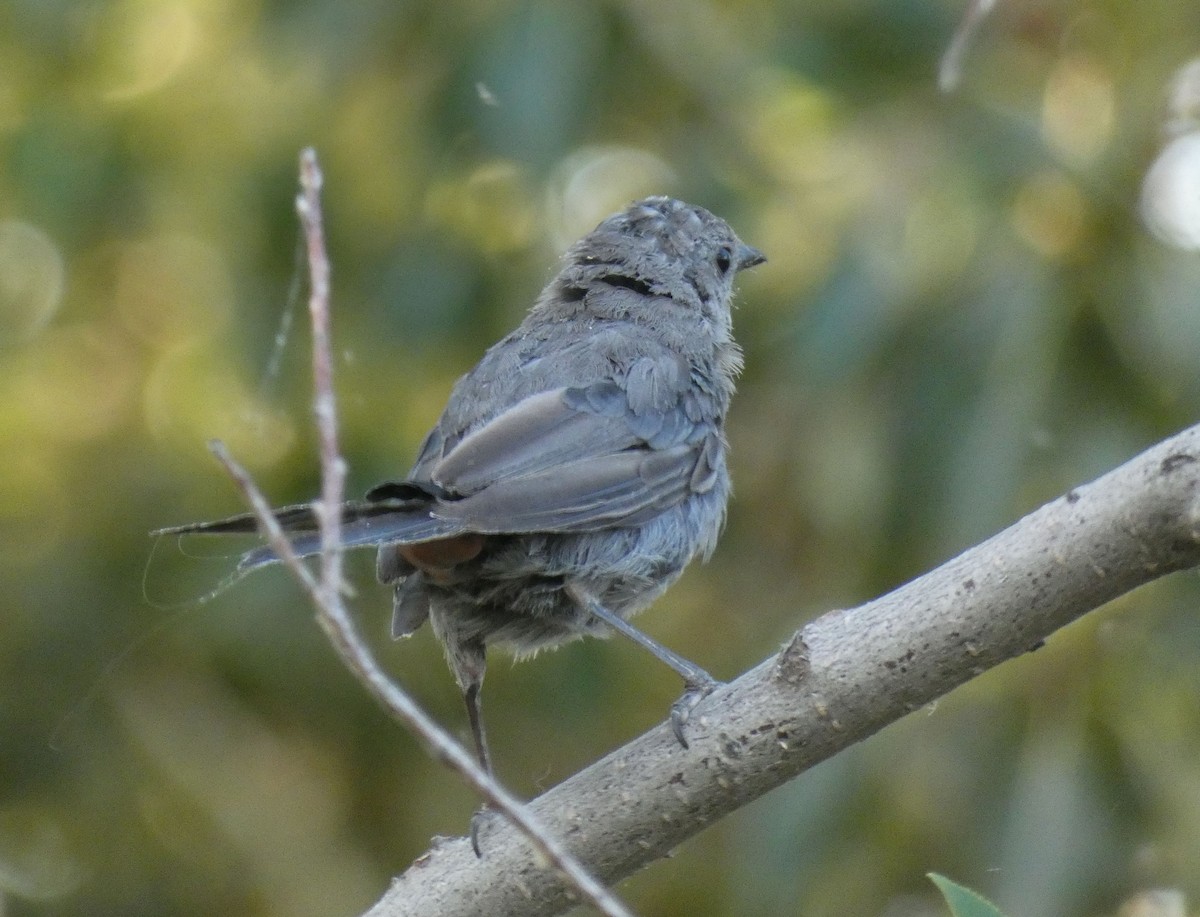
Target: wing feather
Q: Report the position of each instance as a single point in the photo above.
(536, 435)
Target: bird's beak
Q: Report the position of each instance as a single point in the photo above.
(748, 256)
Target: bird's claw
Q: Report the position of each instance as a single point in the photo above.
(481, 817)
(681, 710)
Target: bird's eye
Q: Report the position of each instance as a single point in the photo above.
(724, 259)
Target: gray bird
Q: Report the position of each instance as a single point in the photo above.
(577, 469)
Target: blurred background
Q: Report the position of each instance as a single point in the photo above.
(974, 300)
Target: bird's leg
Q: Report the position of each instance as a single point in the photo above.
(475, 717)
(468, 662)
(697, 683)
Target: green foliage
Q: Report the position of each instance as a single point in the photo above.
(964, 902)
(964, 314)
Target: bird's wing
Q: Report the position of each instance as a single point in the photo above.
(567, 460)
(575, 459)
(616, 490)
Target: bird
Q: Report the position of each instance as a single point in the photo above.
(576, 470)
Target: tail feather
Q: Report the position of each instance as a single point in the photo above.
(297, 518)
(395, 528)
(367, 522)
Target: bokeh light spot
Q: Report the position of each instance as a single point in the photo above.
(72, 385)
(1171, 193)
(1049, 214)
(940, 232)
(34, 509)
(595, 181)
(1184, 103)
(172, 289)
(192, 396)
(1079, 109)
(802, 245)
(494, 207)
(148, 44)
(34, 505)
(35, 858)
(31, 281)
(790, 127)
(379, 119)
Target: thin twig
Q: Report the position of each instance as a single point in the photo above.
(337, 624)
(271, 529)
(326, 592)
(950, 71)
(333, 466)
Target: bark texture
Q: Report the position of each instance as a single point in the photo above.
(840, 678)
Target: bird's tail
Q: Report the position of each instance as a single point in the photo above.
(405, 520)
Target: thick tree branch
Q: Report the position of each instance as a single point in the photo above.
(840, 679)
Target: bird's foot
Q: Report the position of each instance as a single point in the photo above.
(695, 690)
(482, 818)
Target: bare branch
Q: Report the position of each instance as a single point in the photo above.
(267, 522)
(950, 71)
(840, 679)
(333, 466)
(327, 591)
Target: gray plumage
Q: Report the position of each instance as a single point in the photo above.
(581, 461)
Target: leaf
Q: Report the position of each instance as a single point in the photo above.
(964, 902)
